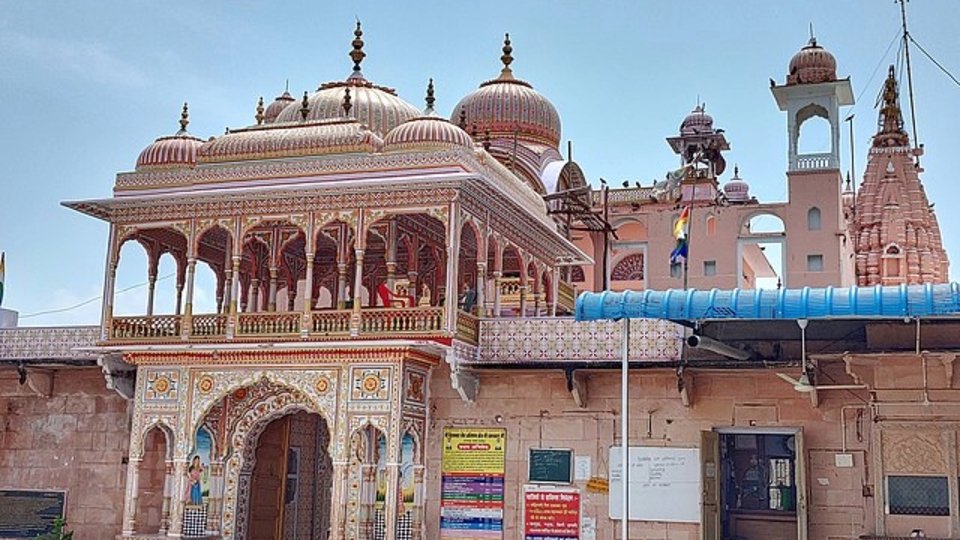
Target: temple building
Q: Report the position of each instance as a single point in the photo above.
(393, 352)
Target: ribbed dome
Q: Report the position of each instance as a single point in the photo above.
(178, 150)
(283, 141)
(506, 106)
(274, 109)
(428, 130)
(737, 189)
(376, 106)
(811, 65)
(698, 121)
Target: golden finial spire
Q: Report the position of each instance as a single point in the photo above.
(304, 107)
(506, 58)
(259, 115)
(347, 105)
(357, 54)
(184, 118)
(430, 99)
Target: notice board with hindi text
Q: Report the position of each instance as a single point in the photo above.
(664, 484)
(551, 513)
(472, 483)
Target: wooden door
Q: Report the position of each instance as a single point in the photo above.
(801, 472)
(267, 483)
(710, 484)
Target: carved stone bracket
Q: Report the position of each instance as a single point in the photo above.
(121, 377)
(466, 382)
(577, 386)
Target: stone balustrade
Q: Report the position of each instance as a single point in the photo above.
(153, 326)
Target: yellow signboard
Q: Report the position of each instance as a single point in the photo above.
(474, 450)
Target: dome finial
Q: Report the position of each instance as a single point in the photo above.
(304, 107)
(813, 37)
(430, 99)
(347, 105)
(506, 58)
(736, 171)
(259, 115)
(184, 119)
(357, 54)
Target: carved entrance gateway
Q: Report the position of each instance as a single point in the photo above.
(213, 408)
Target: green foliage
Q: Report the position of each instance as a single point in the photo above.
(59, 531)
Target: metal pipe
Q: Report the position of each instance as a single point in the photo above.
(843, 426)
(624, 427)
(709, 344)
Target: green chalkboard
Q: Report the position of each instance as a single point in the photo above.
(28, 513)
(551, 466)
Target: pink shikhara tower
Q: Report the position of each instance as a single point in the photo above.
(894, 226)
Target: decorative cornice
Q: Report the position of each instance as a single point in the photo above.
(372, 354)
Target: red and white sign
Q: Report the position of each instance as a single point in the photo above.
(551, 513)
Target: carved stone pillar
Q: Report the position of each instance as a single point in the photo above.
(341, 286)
(497, 275)
(214, 520)
(234, 285)
(178, 308)
(253, 305)
(110, 269)
(167, 493)
(554, 291)
(338, 500)
(392, 501)
(355, 318)
(151, 288)
(419, 502)
(177, 497)
(133, 494)
(308, 298)
(187, 326)
(481, 287)
(272, 294)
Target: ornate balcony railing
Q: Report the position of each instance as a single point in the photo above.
(209, 325)
(401, 321)
(468, 327)
(331, 322)
(154, 326)
(287, 322)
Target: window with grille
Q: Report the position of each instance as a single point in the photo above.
(918, 495)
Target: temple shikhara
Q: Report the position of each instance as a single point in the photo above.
(391, 352)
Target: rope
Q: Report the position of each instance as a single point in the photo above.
(934, 60)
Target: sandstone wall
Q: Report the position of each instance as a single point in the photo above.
(537, 411)
(76, 440)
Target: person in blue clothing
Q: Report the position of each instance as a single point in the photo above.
(194, 473)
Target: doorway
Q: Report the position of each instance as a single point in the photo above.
(754, 485)
(291, 483)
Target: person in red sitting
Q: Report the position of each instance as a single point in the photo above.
(390, 299)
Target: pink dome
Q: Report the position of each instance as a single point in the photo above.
(506, 106)
(737, 189)
(284, 141)
(273, 110)
(426, 131)
(811, 65)
(697, 122)
(376, 106)
(179, 150)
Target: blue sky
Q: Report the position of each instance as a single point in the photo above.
(89, 84)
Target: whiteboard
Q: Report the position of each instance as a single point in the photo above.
(664, 484)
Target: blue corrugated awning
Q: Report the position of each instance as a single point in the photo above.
(806, 303)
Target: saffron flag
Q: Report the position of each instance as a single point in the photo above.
(2, 259)
(680, 229)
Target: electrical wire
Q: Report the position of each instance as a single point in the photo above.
(934, 60)
(877, 67)
(94, 299)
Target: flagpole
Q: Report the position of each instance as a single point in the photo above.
(686, 260)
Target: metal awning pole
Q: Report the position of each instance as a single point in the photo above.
(624, 427)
